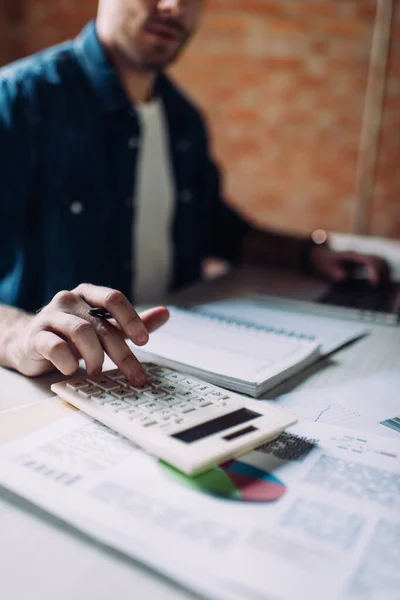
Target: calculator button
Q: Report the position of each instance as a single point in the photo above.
(139, 390)
(188, 395)
(103, 382)
(170, 427)
(151, 407)
(174, 377)
(155, 381)
(167, 428)
(136, 400)
(164, 415)
(221, 402)
(104, 398)
(181, 423)
(130, 414)
(89, 391)
(204, 389)
(114, 374)
(123, 381)
(170, 388)
(170, 400)
(188, 383)
(184, 407)
(154, 393)
(146, 421)
(117, 405)
(78, 385)
(122, 392)
(160, 371)
(216, 394)
(201, 402)
(147, 366)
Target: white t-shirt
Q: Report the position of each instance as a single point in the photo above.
(153, 208)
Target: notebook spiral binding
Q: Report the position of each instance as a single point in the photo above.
(249, 324)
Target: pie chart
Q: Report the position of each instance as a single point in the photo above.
(233, 480)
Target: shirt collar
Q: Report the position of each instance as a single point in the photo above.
(106, 84)
(100, 71)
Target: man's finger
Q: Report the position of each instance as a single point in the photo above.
(81, 333)
(378, 269)
(337, 273)
(117, 349)
(155, 317)
(348, 256)
(333, 269)
(51, 347)
(120, 308)
(371, 264)
(374, 274)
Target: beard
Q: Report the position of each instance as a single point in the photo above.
(149, 56)
(159, 57)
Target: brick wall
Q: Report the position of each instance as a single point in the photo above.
(283, 84)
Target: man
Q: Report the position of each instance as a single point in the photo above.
(106, 177)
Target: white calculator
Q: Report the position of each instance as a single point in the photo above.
(188, 423)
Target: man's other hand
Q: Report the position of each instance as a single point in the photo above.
(64, 332)
(336, 266)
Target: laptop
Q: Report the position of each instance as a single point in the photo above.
(361, 300)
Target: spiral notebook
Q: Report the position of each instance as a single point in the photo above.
(231, 352)
(286, 315)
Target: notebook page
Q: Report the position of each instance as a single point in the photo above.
(332, 333)
(216, 347)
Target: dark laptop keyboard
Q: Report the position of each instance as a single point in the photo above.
(359, 293)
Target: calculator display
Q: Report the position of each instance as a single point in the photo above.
(216, 425)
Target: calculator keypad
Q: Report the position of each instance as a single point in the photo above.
(169, 400)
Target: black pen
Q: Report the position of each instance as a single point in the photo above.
(100, 313)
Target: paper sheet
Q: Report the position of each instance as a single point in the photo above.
(360, 404)
(333, 533)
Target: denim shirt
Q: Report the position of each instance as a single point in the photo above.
(69, 143)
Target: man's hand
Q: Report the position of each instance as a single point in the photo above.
(335, 265)
(64, 331)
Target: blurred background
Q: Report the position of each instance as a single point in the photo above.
(303, 99)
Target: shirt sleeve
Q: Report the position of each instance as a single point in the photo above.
(16, 152)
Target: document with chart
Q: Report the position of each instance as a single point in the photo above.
(365, 404)
(315, 514)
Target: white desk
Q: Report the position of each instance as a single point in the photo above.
(42, 559)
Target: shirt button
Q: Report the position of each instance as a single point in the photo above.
(133, 143)
(127, 265)
(186, 196)
(129, 202)
(76, 208)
